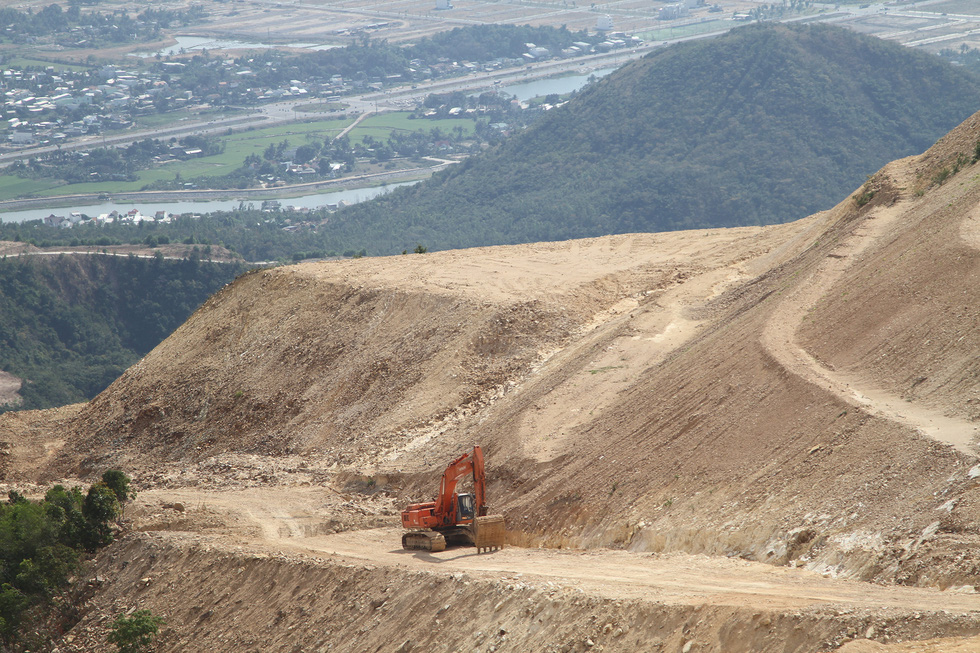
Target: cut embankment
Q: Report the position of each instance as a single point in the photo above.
(225, 598)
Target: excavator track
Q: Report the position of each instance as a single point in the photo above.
(423, 541)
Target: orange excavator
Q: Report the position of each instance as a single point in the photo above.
(455, 518)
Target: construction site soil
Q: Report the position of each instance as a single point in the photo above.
(754, 439)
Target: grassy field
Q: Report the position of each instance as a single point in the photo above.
(688, 30)
(382, 125)
(11, 186)
(237, 146)
(24, 62)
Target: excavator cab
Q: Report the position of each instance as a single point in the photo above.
(465, 508)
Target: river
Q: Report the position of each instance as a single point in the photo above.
(523, 91)
(352, 196)
(558, 85)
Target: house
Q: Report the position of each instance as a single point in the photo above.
(21, 138)
(56, 221)
(670, 12)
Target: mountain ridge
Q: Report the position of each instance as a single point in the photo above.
(741, 415)
(762, 125)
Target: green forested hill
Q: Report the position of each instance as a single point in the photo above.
(766, 124)
(70, 324)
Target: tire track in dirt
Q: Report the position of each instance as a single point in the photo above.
(780, 339)
(673, 579)
(292, 520)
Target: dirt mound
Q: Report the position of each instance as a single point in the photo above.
(950, 154)
(10, 248)
(805, 395)
(356, 361)
(30, 438)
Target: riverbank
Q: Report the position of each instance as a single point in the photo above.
(292, 190)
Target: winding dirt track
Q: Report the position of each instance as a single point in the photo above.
(779, 339)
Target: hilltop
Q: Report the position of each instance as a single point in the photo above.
(765, 124)
(772, 428)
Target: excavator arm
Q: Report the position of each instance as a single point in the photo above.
(432, 523)
(442, 511)
(445, 503)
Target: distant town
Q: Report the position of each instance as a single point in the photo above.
(53, 105)
(135, 216)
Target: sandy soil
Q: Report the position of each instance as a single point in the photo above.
(293, 520)
(728, 440)
(781, 342)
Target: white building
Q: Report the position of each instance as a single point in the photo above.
(539, 53)
(670, 12)
(21, 138)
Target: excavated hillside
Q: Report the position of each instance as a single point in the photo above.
(725, 440)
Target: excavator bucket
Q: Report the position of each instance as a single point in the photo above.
(489, 532)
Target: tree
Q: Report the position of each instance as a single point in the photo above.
(134, 633)
(305, 153)
(119, 483)
(12, 605)
(99, 508)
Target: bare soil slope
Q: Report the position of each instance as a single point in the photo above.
(803, 395)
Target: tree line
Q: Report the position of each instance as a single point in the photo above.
(99, 26)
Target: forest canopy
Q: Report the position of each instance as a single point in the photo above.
(766, 124)
(70, 325)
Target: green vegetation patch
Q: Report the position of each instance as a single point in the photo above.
(12, 186)
(235, 149)
(30, 62)
(71, 324)
(765, 124)
(383, 126)
(692, 29)
(41, 546)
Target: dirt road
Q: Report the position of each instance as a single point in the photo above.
(671, 579)
(288, 520)
(780, 339)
